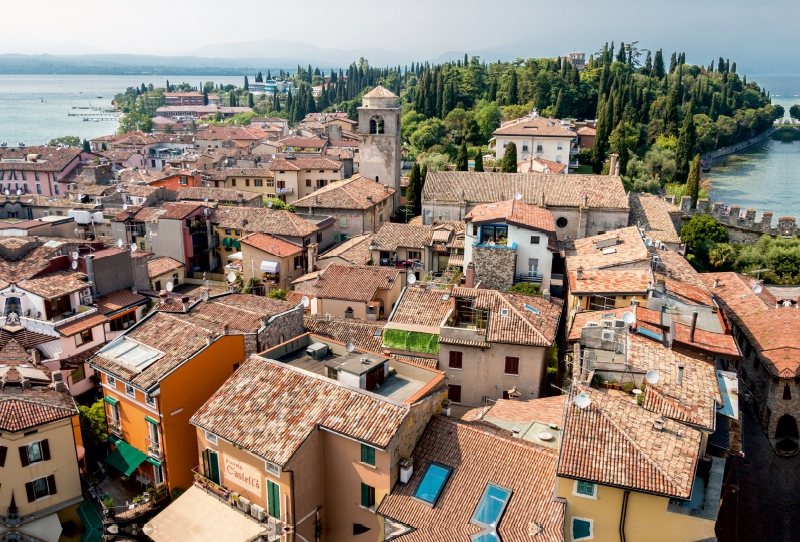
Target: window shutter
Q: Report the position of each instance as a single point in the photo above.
(66, 304)
(45, 450)
(3, 453)
(29, 491)
(364, 495)
(23, 455)
(51, 484)
(48, 309)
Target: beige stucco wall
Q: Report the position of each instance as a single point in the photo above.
(483, 372)
(251, 265)
(63, 464)
(647, 517)
(337, 307)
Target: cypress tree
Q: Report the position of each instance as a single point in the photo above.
(673, 62)
(601, 137)
(250, 100)
(658, 65)
(513, 97)
(478, 162)
(686, 143)
(462, 159)
(559, 112)
(424, 174)
(169, 89)
(693, 182)
(509, 162)
(86, 147)
(621, 56)
(259, 78)
(671, 113)
(648, 64)
(276, 101)
(414, 191)
(232, 99)
(246, 83)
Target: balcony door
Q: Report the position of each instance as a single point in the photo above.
(211, 465)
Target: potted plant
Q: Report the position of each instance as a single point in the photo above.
(108, 501)
(138, 499)
(627, 387)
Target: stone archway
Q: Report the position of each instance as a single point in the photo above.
(787, 427)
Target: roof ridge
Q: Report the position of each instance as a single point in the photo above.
(474, 426)
(518, 313)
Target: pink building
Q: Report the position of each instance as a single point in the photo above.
(38, 170)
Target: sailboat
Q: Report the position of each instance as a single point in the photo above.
(98, 94)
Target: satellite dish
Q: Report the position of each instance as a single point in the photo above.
(133, 247)
(169, 286)
(582, 401)
(204, 295)
(119, 243)
(412, 279)
(74, 265)
(75, 255)
(231, 276)
(652, 377)
(629, 318)
(19, 192)
(205, 198)
(6, 191)
(149, 529)
(349, 346)
(757, 288)
(124, 206)
(518, 196)
(305, 301)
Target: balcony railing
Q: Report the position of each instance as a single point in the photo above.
(114, 426)
(154, 448)
(535, 278)
(574, 150)
(288, 190)
(513, 246)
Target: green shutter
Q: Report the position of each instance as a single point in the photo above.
(151, 420)
(367, 454)
(274, 499)
(581, 529)
(226, 242)
(365, 495)
(585, 488)
(213, 464)
(110, 400)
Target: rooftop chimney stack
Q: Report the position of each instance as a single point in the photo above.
(185, 303)
(694, 327)
(579, 273)
(613, 165)
(163, 296)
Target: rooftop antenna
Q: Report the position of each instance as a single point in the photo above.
(652, 377)
(169, 286)
(582, 400)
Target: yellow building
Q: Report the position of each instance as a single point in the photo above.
(40, 448)
(258, 180)
(271, 260)
(322, 475)
(297, 177)
(358, 291)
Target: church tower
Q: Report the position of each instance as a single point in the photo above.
(379, 129)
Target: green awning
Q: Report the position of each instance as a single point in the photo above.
(110, 400)
(92, 521)
(151, 420)
(226, 242)
(125, 458)
(155, 462)
(113, 439)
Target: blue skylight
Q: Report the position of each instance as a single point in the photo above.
(648, 333)
(491, 507)
(490, 536)
(432, 483)
(535, 311)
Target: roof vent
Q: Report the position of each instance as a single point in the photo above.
(365, 361)
(658, 423)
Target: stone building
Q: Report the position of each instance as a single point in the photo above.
(379, 128)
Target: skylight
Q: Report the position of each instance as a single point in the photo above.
(432, 483)
(491, 507)
(534, 310)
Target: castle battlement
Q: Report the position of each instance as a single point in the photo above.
(734, 217)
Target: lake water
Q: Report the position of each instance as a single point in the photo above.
(764, 177)
(33, 108)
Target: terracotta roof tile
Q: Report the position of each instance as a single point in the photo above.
(535, 127)
(421, 307)
(479, 454)
(619, 281)
(365, 335)
(354, 250)
(380, 92)
(428, 363)
(50, 158)
(630, 249)
(549, 410)
(269, 409)
(355, 193)
(271, 245)
(83, 323)
(216, 194)
(354, 282)
(653, 214)
(263, 220)
(118, 300)
(159, 266)
(56, 284)
(393, 235)
(300, 163)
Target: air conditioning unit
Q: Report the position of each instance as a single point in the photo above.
(608, 335)
(606, 322)
(243, 505)
(317, 351)
(619, 322)
(46, 213)
(258, 512)
(86, 300)
(592, 324)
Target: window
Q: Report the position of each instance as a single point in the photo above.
(539, 147)
(562, 222)
(36, 175)
(296, 262)
(342, 221)
(787, 393)
(247, 182)
(491, 507)
(308, 171)
(494, 235)
(348, 313)
(456, 360)
(273, 469)
(367, 496)
(525, 147)
(56, 189)
(130, 390)
(582, 529)
(35, 452)
(560, 145)
(535, 239)
(184, 181)
(585, 489)
(233, 182)
(25, 187)
(512, 365)
(55, 180)
(273, 499)
(38, 188)
(41, 488)
(124, 321)
(258, 182)
(227, 231)
(150, 400)
(454, 393)
(111, 381)
(84, 336)
(359, 528)
(402, 192)
(368, 454)
(211, 438)
(158, 475)
(558, 158)
(237, 232)
(79, 373)
(432, 483)
(505, 144)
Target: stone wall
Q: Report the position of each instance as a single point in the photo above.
(494, 266)
(742, 226)
(282, 328)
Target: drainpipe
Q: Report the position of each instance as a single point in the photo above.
(622, 514)
(90, 273)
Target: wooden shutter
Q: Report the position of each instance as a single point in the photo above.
(456, 360)
(66, 304)
(455, 393)
(45, 450)
(273, 499)
(30, 492)
(512, 365)
(23, 455)
(3, 453)
(51, 484)
(48, 309)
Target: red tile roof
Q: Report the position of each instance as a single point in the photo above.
(118, 300)
(159, 266)
(364, 334)
(271, 245)
(354, 282)
(393, 235)
(356, 193)
(354, 250)
(83, 323)
(549, 410)
(630, 249)
(631, 281)
(421, 307)
(300, 163)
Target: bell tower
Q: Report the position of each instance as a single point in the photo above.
(379, 129)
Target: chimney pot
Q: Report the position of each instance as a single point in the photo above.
(579, 273)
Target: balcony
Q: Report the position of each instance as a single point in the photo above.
(513, 246)
(574, 150)
(289, 190)
(706, 491)
(199, 242)
(114, 426)
(534, 278)
(154, 448)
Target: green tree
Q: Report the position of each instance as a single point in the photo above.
(687, 139)
(93, 423)
(278, 205)
(259, 78)
(559, 110)
(509, 162)
(513, 92)
(693, 182)
(133, 121)
(703, 229)
(462, 160)
(623, 142)
(66, 141)
(414, 191)
(86, 146)
(671, 113)
(722, 254)
(246, 83)
(276, 100)
(278, 294)
(794, 112)
(487, 116)
(658, 65)
(478, 161)
(526, 288)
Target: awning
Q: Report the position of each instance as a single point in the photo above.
(92, 521)
(441, 236)
(226, 242)
(198, 517)
(110, 400)
(268, 266)
(154, 461)
(44, 529)
(235, 256)
(125, 458)
(456, 260)
(151, 420)
(80, 451)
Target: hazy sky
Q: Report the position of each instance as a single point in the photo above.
(758, 34)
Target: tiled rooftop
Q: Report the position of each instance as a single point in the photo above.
(354, 250)
(365, 335)
(159, 266)
(356, 193)
(421, 307)
(301, 163)
(630, 248)
(354, 282)
(263, 220)
(393, 235)
(82, 323)
(117, 300)
(609, 281)
(653, 214)
(535, 127)
(271, 245)
(56, 284)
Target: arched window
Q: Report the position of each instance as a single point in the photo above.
(376, 125)
(349, 312)
(787, 393)
(787, 427)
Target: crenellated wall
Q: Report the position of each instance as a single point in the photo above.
(742, 226)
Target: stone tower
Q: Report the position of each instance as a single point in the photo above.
(379, 129)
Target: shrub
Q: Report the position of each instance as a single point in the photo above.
(526, 288)
(177, 492)
(627, 387)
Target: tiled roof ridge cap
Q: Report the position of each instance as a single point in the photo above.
(192, 322)
(667, 399)
(519, 314)
(477, 428)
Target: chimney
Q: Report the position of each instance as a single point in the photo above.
(716, 283)
(209, 340)
(616, 170)
(226, 328)
(36, 356)
(90, 272)
(613, 165)
(660, 287)
(26, 384)
(470, 276)
(406, 470)
(163, 296)
(694, 327)
(579, 273)
(541, 200)
(185, 303)
(546, 295)
(681, 369)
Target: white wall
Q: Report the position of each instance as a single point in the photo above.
(550, 150)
